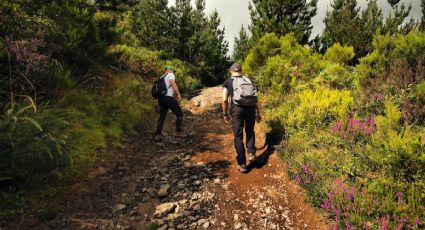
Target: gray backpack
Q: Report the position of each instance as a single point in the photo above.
(244, 92)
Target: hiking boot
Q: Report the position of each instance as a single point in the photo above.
(251, 156)
(179, 135)
(157, 138)
(243, 168)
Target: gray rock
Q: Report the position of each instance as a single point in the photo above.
(238, 226)
(163, 190)
(151, 192)
(186, 213)
(163, 209)
(119, 207)
(202, 221)
(193, 218)
(206, 225)
(181, 226)
(197, 207)
(186, 158)
(163, 227)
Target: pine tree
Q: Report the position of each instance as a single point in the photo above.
(345, 25)
(282, 17)
(372, 21)
(422, 23)
(151, 23)
(341, 23)
(242, 46)
(201, 41)
(394, 22)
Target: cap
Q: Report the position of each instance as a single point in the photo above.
(235, 67)
(169, 67)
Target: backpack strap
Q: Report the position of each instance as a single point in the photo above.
(164, 79)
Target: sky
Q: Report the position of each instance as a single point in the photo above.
(235, 13)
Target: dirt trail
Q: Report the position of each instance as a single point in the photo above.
(187, 183)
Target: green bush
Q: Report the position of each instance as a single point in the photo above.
(339, 54)
(310, 109)
(138, 60)
(335, 76)
(34, 146)
(185, 76)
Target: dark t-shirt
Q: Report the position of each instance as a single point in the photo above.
(228, 84)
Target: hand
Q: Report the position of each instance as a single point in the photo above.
(179, 97)
(226, 118)
(258, 118)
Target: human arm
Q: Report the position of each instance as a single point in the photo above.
(176, 89)
(258, 114)
(225, 105)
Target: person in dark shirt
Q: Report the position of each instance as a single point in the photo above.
(241, 117)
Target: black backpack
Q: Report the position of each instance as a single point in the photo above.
(159, 88)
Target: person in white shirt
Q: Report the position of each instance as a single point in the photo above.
(169, 101)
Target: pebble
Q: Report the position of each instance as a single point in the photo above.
(164, 227)
(163, 209)
(202, 221)
(236, 217)
(217, 181)
(206, 225)
(238, 226)
(197, 207)
(163, 191)
(119, 207)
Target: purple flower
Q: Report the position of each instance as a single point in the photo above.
(399, 196)
(298, 179)
(417, 221)
(384, 223)
(377, 97)
(351, 193)
(337, 212)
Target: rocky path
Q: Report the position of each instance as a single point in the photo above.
(187, 183)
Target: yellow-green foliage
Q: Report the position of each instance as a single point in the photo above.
(311, 97)
(388, 49)
(339, 54)
(315, 108)
(139, 60)
(268, 46)
(335, 76)
(400, 150)
(124, 28)
(280, 64)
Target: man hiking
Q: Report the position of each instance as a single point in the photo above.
(244, 111)
(169, 101)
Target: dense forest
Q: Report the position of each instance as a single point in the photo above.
(75, 78)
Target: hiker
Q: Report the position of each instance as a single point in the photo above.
(169, 101)
(244, 111)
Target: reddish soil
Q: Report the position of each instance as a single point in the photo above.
(200, 169)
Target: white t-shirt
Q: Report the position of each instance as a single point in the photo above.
(167, 78)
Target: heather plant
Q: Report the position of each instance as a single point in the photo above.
(393, 69)
(350, 138)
